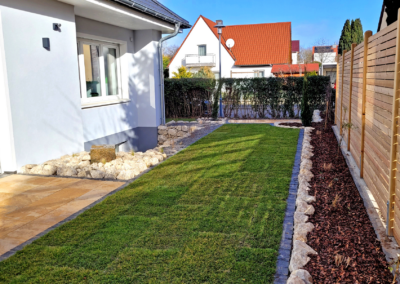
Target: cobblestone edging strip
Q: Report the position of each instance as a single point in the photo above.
(297, 234)
(282, 270)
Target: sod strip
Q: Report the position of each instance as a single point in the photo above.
(212, 213)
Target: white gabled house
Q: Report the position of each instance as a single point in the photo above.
(74, 73)
(256, 48)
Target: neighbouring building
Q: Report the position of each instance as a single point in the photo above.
(76, 73)
(295, 51)
(247, 50)
(294, 70)
(327, 56)
(389, 13)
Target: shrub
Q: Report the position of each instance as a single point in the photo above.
(306, 115)
(204, 72)
(182, 73)
(243, 97)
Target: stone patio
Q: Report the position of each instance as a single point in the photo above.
(29, 205)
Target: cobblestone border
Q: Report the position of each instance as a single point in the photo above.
(297, 226)
(282, 264)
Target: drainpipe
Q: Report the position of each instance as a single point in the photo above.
(161, 69)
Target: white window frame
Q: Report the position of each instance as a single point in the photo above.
(123, 89)
(198, 46)
(258, 72)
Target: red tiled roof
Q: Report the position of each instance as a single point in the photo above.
(294, 68)
(295, 46)
(258, 44)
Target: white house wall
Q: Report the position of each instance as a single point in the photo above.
(329, 58)
(248, 72)
(7, 151)
(118, 123)
(201, 34)
(43, 85)
(294, 57)
(46, 112)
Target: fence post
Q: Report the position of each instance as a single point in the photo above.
(353, 46)
(393, 146)
(367, 35)
(337, 89)
(341, 93)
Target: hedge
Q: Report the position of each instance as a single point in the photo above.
(244, 98)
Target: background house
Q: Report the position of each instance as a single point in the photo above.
(256, 48)
(295, 51)
(327, 56)
(76, 73)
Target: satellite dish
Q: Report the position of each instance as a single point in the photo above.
(230, 43)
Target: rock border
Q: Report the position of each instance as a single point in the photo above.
(285, 247)
(300, 250)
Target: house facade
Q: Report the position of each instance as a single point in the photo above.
(327, 56)
(77, 73)
(247, 50)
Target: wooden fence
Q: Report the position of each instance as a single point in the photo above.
(368, 97)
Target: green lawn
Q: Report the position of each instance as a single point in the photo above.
(180, 119)
(213, 213)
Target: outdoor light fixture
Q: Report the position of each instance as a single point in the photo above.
(57, 27)
(46, 43)
(220, 26)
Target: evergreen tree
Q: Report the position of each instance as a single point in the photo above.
(357, 34)
(306, 114)
(345, 38)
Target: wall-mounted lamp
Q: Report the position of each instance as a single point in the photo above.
(46, 43)
(57, 27)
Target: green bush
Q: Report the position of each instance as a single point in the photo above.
(244, 97)
(306, 114)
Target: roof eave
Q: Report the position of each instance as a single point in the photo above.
(184, 24)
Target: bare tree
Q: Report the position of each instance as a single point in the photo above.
(324, 52)
(305, 55)
(169, 50)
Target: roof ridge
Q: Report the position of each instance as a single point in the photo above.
(260, 24)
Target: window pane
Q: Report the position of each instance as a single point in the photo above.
(111, 71)
(202, 50)
(92, 70)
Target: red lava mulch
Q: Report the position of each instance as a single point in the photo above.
(342, 227)
(292, 124)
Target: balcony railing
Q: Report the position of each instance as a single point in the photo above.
(195, 60)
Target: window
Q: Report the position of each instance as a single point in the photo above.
(202, 50)
(258, 74)
(99, 71)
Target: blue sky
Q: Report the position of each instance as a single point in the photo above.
(311, 20)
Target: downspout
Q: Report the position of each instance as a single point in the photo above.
(161, 69)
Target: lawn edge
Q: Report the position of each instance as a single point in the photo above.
(285, 248)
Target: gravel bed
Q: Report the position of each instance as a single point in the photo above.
(187, 141)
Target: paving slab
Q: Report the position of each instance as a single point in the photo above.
(30, 205)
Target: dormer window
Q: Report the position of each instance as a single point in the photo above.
(202, 50)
